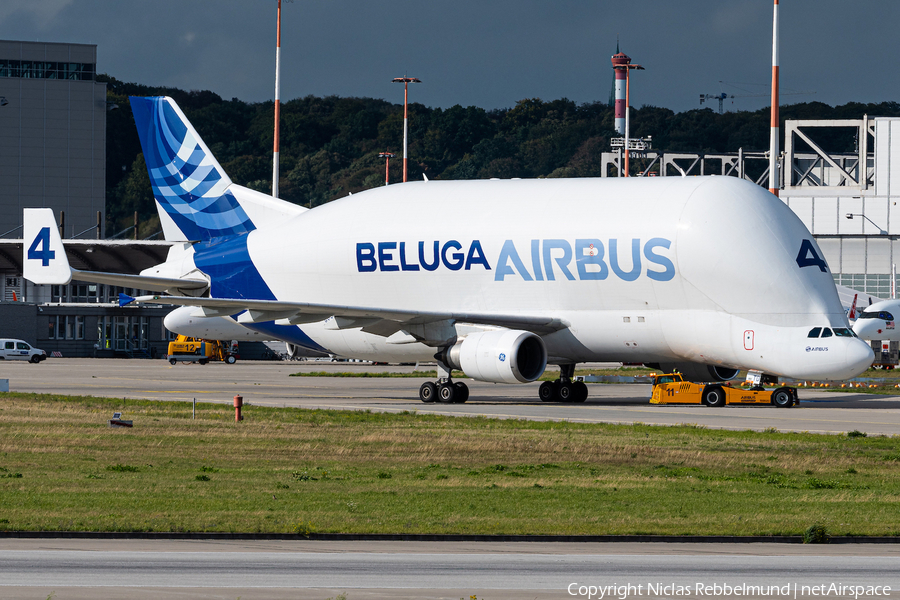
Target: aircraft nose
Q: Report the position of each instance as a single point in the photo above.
(179, 319)
(867, 329)
(858, 357)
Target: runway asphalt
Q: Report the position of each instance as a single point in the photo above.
(83, 569)
(270, 384)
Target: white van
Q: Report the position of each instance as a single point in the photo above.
(19, 350)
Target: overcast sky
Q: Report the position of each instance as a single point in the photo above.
(487, 53)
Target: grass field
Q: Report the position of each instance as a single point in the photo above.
(294, 470)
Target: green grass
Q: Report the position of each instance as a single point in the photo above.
(293, 470)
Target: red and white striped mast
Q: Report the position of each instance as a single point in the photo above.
(774, 131)
(623, 67)
(620, 59)
(277, 103)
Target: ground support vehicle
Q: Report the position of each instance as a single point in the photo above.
(671, 388)
(188, 349)
(887, 354)
(20, 350)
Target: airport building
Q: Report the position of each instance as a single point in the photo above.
(52, 134)
(53, 155)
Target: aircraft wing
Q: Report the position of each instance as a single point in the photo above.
(141, 282)
(374, 320)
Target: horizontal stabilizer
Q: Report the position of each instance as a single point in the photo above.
(140, 282)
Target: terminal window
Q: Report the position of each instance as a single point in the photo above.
(30, 69)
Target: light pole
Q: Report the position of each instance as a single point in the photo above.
(774, 124)
(277, 102)
(405, 81)
(387, 156)
(880, 230)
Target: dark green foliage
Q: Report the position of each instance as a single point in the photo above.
(816, 534)
(329, 146)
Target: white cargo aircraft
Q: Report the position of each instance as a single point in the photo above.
(496, 278)
(876, 321)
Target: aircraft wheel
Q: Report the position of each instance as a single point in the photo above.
(428, 392)
(547, 391)
(447, 392)
(581, 391)
(714, 396)
(782, 398)
(565, 392)
(462, 392)
(230, 359)
(172, 361)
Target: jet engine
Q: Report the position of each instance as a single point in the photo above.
(697, 372)
(501, 356)
(296, 352)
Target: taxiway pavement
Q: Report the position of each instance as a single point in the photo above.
(270, 384)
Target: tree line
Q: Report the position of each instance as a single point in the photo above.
(329, 146)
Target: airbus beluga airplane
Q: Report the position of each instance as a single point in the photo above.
(706, 275)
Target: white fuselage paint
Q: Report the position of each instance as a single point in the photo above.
(725, 287)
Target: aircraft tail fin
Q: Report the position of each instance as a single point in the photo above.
(852, 314)
(44, 260)
(195, 198)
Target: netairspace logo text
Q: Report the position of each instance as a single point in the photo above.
(719, 590)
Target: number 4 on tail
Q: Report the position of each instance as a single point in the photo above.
(40, 248)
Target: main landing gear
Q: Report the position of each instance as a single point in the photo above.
(563, 389)
(444, 389)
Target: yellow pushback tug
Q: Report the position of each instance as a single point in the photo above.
(671, 388)
(187, 349)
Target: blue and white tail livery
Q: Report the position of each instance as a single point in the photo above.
(196, 200)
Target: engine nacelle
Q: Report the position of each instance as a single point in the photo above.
(502, 356)
(697, 372)
(296, 352)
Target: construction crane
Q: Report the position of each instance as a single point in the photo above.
(722, 96)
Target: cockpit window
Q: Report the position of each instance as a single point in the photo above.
(843, 332)
(881, 314)
(826, 332)
(814, 332)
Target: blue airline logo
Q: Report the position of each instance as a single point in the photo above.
(550, 259)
